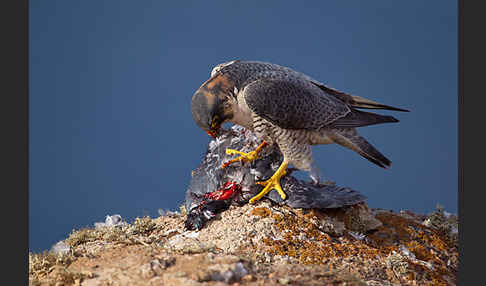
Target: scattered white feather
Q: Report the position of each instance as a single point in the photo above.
(406, 252)
(427, 222)
(357, 235)
(61, 248)
(111, 220)
(191, 234)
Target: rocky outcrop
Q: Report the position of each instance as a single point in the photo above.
(320, 235)
(262, 244)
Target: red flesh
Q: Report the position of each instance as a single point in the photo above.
(226, 192)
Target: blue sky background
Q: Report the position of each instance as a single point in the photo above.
(111, 82)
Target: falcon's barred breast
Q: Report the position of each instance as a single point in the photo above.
(287, 108)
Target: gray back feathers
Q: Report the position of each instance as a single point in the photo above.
(293, 104)
(293, 100)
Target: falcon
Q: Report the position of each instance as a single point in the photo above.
(289, 109)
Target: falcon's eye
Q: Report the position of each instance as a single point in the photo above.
(215, 122)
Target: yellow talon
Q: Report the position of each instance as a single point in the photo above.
(273, 183)
(245, 157)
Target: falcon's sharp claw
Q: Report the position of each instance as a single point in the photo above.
(272, 183)
(245, 157)
(233, 152)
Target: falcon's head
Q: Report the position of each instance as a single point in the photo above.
(211, 105)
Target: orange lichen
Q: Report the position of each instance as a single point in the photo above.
(394, 229)
(261, 211)
(436, 242)
(303, 239)
(419, 251)
(435, 277)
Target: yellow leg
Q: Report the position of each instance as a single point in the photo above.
(245, 157)
(273, 183)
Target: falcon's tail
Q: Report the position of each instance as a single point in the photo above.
(361, 102)
(356, 101)
(358, 118)
(350, 138)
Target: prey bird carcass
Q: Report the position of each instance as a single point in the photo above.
(213, 189)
